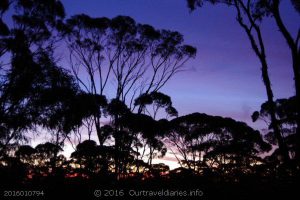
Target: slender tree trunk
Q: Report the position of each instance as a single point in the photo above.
(150, 157)
(274, 122)
(54, 159)
(118, 149)
(259, 49)
(98, 130)
(297, 156)
(296, 66)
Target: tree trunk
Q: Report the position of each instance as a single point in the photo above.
(259, 49)
(274, 122)
(98, 130)
(296, 66)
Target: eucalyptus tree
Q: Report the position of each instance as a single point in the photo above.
(146, 134)
(286, 113)
(249, 15)
(122, 137)
(34, 89)
(122, 57)
(93, 158)
(26, 154)
(272, 8)
(153, 139)
(201, 141)
(157, 101)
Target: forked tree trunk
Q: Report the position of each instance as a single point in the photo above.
(274, 122)
(295, 51)
(259, 49)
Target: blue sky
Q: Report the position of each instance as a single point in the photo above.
(224, 79)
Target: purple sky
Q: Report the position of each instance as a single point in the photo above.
(224, 79)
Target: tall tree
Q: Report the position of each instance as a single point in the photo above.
(273, 8)
(33, 88)
(250, 22)
(136, 58)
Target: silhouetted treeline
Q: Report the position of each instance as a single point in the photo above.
(214, 153)
(249, 15)
(138, 124)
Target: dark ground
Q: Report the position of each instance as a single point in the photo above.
(169, 188)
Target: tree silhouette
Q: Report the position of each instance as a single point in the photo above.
(286, 112)
(272, 8)
(26, 154)
(146, 133)
(47, 156)
(215, 142)
(133, 62)
(34, 90)
(249, 17)
(92, 158)
(158, 100)
(157, 170)
(294, 45)
(136, 57)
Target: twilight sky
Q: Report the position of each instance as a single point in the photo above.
(224, 79)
